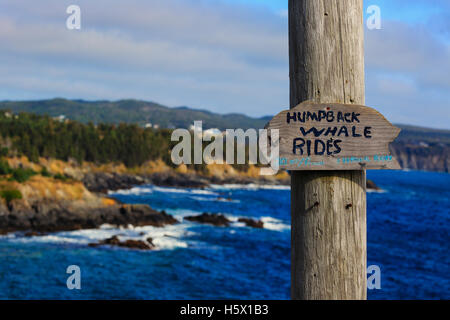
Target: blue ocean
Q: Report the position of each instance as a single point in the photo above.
(408, 238)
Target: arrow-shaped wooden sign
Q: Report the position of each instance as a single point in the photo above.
(332, 136)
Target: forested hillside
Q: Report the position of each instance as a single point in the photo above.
(41, 136)
(93, 137)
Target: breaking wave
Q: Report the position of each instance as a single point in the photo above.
(251, 186)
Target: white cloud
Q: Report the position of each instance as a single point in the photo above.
(283, 13)
(177, 52)
(411, 51)
(407, 74)
(208, 54)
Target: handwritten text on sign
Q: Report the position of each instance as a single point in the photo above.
(334, 137)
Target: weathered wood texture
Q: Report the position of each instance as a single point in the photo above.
(328, 235)
(328, 208)
(352, 137)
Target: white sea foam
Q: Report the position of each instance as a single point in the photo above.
(132, 191)
(204, 192)
(231, 218)
(150, 189)
(215, 199)
(51, 238)
(181, 213)
(251, 186)
(274, 224)
(275, 187)
(169, 190)
(166, 238)
(376, 191)
(189, 191)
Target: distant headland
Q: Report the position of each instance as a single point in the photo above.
(416, 148)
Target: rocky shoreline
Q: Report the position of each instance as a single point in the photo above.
(35, 215)
(46, 217)
(217, 220)
(103, 182)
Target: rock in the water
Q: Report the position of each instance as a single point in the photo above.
(213, 219)
(30, 234)
(135, 244)
(221, 220)
(224, 199)
(130, 243)
(150, 241)
(54, 216)
(113, 241)
(372, 186)
(252, 223)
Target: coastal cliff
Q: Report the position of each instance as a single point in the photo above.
(422, 156)
(50, 200)
(51, 195)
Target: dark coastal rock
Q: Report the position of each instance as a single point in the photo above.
(53, 216)
(221, 221)
(213, 219)
(142, 215)
(372, 186)
(224, 199)
(34, 234)
(252, 223)
(182, 180)
(4, 210)
(114, 241)
(135, 244)
(150, 241)
(104, 181)
(190, 180)
(130, 244)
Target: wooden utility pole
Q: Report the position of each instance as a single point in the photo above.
(328, 207)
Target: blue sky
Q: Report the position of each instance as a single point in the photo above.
(408, 11)
(226, 56)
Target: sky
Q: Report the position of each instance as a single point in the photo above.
(226, 56)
